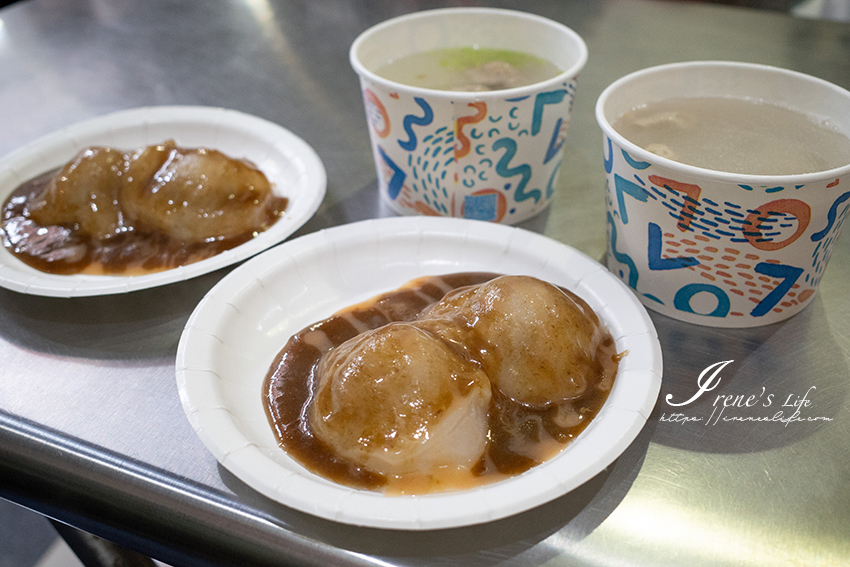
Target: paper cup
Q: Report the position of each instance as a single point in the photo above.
(715, 248)
(492, 155)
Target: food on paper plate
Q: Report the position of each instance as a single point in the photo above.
(447, 383)
(397, 399)
(109, 211)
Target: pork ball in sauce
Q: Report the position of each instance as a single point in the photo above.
(398, 400)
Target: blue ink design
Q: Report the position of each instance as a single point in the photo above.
(609, 161)
(830, 217)
(622, 257)
(480, 207)
(656, 262)
(550, 188)
(788, 274)
(635, 163)
(525, 170)
(554, 147)
(410, 120)
(396, 182)
(542, 99)
(682, 300)
(622, 187)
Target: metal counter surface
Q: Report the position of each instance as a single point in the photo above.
(91, 428)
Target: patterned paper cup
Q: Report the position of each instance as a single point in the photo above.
(492, 155)
(715, 248)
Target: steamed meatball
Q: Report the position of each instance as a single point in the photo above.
(84, 194)
(398, 400)
(198, 195)
(535, 342)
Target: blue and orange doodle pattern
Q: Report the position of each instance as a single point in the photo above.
(478, 154)
(726, 245)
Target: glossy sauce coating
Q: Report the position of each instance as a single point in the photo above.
(129, 213)
(520, 435)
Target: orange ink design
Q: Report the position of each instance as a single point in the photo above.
(465, 145)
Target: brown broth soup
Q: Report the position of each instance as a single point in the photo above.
(405, 394)
(735, 136)
(469, 69)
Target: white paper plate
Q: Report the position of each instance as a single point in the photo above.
(236, 331)
(293, 168)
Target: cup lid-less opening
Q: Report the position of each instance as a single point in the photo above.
(464, 27)
(812, 96)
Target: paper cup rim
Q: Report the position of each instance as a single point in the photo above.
(566, 75)
(701, 172)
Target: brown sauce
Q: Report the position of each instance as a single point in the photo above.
(132, 249)
(513, 427)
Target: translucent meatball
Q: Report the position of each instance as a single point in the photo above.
(398, 400)
(535, 342)
(84, 194)
(198, 195)
(448, 320)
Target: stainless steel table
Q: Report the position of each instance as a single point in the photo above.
(91, 428)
